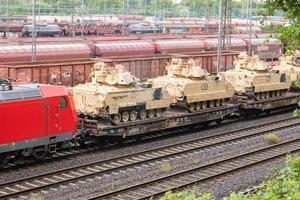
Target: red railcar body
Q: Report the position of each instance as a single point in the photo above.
(35, 118)
(21, 53)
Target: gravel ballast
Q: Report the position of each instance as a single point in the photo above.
(81, 190)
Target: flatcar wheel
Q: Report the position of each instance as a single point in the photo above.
(260, 95)
(280, 92)
(198, 106)
(158, 112)
(143, 114)
(218, 121)
(273, 93)
(218, 103)
(40, 154)
(3, 160)
(133, 115)
(125, 117)
(222, 102)
(117, 118)
(192, 107)
(204, 104)
(151, 113)
(211, 103)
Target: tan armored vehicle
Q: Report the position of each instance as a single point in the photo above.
(188, 83)
(253, 78)
(290, 65)
(118, 95)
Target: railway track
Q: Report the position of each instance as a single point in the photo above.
(75, 173)
(190, 177)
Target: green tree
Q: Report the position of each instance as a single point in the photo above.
(290, 35)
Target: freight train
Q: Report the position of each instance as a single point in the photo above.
(39, 119)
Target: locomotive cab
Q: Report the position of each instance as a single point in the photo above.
(35, 120)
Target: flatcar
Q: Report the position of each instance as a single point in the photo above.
(257, 87)
(35, 120)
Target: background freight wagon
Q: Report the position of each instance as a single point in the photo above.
(74, 72)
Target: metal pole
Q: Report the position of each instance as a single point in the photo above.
(51, 7)
(39, 12)
(145, 8)
(220, 36)
(250, 27)
(123, 17)
(7, 20)
(33, 34)
(155, 15)
(105, 10)
(58, 6)
(207, 15)
(72, 19)
(81, 10)
(193, 8)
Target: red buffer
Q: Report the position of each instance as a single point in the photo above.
(35, 120)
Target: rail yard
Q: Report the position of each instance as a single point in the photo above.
(139, 99)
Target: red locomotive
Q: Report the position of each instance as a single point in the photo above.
(35, 120)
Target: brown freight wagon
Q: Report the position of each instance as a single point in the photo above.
(66, 72)
(268, 49)
(153, 66)
(73, 72)
(209, 60)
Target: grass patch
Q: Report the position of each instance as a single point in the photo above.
(196, 161)
(166, 167)
(284, 185)
(36, 197)
(186, 195)
(297, 112)
(272, 138)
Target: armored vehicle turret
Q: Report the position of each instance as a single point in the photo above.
(255, 80)
(117, 95)
(290, 64)
(187, 83)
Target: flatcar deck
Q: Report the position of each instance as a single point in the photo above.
(169, 119)
(291, 98)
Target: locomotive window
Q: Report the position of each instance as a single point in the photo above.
(63, 102)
